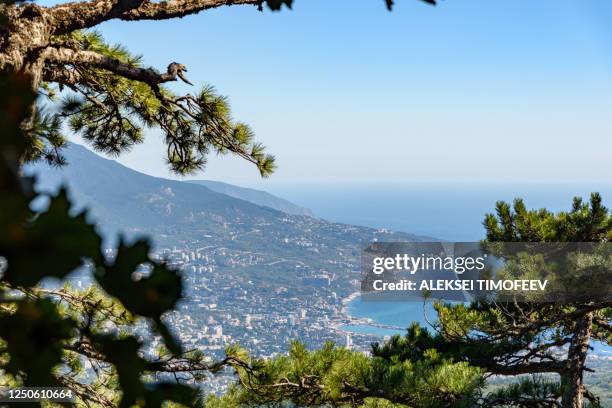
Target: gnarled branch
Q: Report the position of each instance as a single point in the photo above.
(63, 55)
(79, 15)
(603, 324)
(177, 8)
(76, 16)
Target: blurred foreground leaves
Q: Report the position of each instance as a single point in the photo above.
(35, 332)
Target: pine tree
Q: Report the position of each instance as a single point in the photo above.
(528, 338)
(543, 346)
(419, 376)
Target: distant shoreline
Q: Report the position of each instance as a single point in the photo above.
(346, 318)
(369, 322)
(350, 298)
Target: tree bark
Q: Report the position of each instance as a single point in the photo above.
(28, 30)
(572, 378)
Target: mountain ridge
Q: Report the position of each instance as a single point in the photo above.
(80, 157)
(254, 196)
(124, 200)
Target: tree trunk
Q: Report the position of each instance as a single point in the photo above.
(24, 33)
(572, 377)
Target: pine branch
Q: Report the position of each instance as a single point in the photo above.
(603, 324)
(81, 15)
(521, 368)
(61, 75)
(86, 393)
(178, 8)
(64, 55)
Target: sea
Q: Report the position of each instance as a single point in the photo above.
(449, 212)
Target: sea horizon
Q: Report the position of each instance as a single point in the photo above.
(440, 211)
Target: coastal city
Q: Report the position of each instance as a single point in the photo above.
(221, 308)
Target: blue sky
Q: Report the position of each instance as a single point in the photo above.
(342, 91)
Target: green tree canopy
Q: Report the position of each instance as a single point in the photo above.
(534, 338)
(544, 346)
(418, 376)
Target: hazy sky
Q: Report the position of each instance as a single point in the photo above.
(342, 91)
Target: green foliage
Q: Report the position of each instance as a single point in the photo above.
(448, 368)
(337, 376)
(72, 237)
(34, 334)
(156, 293)
(63, 328)
(585, 222)
(110, 99)
(45, 334)
(105, 108)
(526, 393)
(45, 138)
(527, 337)
(112, 112)
(123, 354)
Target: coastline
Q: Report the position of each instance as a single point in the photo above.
(345, 301)
(345, 321)
(362, 326)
